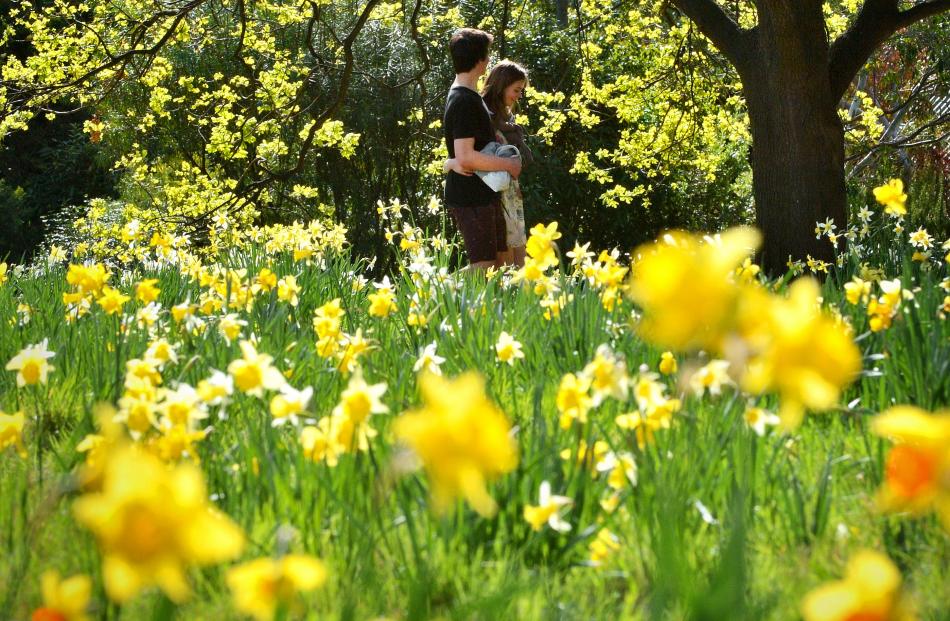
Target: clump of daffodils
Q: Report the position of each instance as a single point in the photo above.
(348, 428)
(693, 300)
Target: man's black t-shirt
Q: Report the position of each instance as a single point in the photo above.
(466, 116)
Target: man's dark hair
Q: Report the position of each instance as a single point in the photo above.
(469, 46)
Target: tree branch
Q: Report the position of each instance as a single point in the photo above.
(922, 11)
(721, 29)
(876, 22)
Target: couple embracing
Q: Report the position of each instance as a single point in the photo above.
(482, 191)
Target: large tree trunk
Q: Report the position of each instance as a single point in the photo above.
(793, 80)
(797, 136)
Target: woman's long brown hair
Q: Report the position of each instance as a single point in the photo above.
(502, 75)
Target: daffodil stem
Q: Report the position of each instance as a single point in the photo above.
(39, 442)
(164, 609)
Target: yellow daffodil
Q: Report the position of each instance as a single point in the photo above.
(216, 389)
(549, 510)
(230, 326)
(668, 364)
(152, 522)
(288, 403)
(857, 290)
(146, 291)
(321, 442)
(621, 469)
(87, 279)
(351, 347)
(710, 377)
(11, 432)
(112, 300)
(428, 361)
(892, 196)
(253, 372)
(160, 351)
(686, 290)
(602, 547)
(382, 303)
(917, 471)
(266, 279)
(758, 419)
(573, 400)
(260, 586)
(327, 318)
(541, 247)
(871, 590)
(64, 600)
(288, 290)
(608, 376)
(462, 438)
(507, 349)
(796, 350)
(31, 364)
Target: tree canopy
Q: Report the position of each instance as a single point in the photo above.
(217, 114)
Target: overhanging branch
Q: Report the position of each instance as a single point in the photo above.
(876, 22)
(721, 29)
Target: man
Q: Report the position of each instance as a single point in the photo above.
(474, 206)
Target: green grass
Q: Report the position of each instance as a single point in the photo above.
(782, 512)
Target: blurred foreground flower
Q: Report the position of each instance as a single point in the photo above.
(548, 511)
(11, 432)
(917, 471)
(774, 344)
(462, 438)
(63, 600)
(260, 586)
(685, 287)
(796, 350)
(152, 522)
(870, 591)
(31, 364)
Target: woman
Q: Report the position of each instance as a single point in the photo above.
(503, 89)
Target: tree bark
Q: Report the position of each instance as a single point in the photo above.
(793, 81)
(560, 7)
(798, 174)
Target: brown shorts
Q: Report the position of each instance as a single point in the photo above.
(483, 230)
